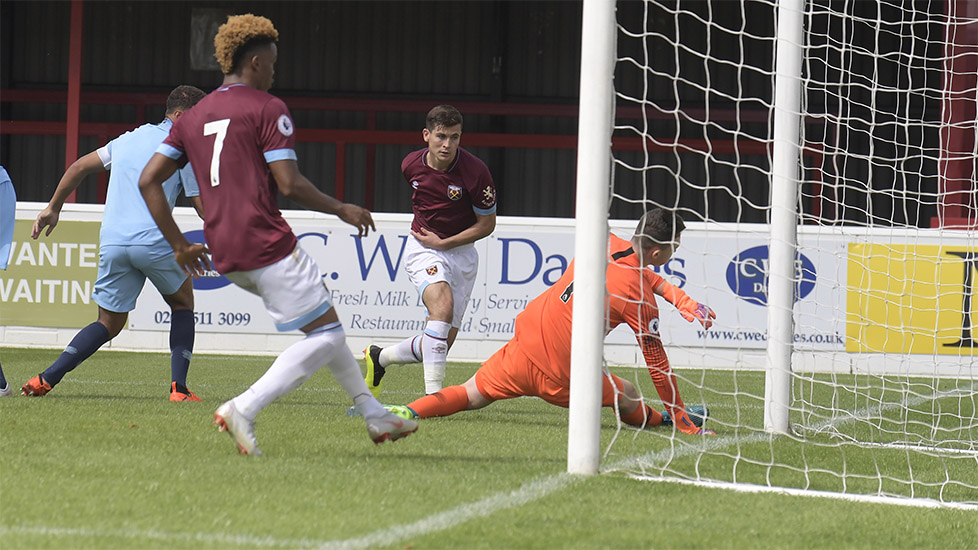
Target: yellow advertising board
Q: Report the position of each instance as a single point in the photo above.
(49, 281)
(911, 299)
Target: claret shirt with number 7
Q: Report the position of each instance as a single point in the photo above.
(229, 138)
(543, 329)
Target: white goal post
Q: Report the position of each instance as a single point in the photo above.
(590, 247)
(824, 157)
(784, 215)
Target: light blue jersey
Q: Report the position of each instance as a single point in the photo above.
(127, 220)
(8, 208)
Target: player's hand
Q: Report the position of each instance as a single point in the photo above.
(695, 311)
(193, 260)
(357, 217)
(684, 423)
(693, 430)
(47, 218)
(429, 239)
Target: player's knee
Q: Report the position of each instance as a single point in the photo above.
(183, 298)
(628, 389)
(628, 400)
(439, 301)
(475, 397)
(113, 322)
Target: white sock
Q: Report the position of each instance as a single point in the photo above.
(434, 350)
(297, 363)
(347, 372)
(406, 351)
(290, 369)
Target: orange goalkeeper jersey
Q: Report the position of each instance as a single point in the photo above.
(543, 329)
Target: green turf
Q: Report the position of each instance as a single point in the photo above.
(105, 461)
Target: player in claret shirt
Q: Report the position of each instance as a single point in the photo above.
(536, 361)
(241, 143)
(454, 203)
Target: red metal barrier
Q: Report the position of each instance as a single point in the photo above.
(372, 137)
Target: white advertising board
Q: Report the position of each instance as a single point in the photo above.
(910, 283)
(519, 260)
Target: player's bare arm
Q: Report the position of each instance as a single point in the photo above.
(72, 178)
(482, 228)
(294, 186)
(191, 257)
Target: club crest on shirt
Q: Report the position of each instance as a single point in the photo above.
(285, 125)
(654, 326)
(454, 192)
(488, 196)
(432, 270)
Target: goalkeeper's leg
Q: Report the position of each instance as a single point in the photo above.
(502, 376)
(448, 401)
(631, 408)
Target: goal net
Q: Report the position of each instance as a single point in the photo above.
(847, 365)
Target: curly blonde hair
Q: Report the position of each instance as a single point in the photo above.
(237, 35)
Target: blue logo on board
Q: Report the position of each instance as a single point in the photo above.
(747, 275)
(212, 279)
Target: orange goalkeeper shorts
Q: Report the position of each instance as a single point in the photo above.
(509, 373)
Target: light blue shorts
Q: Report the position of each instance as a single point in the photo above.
(122, 271)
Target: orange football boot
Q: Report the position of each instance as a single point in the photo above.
(181, 393)
(35, 387)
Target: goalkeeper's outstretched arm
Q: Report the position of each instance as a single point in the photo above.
(689, 308)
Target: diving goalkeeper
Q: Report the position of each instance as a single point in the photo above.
(536, 361)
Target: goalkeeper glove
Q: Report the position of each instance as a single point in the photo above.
(685, 424)
(699, 312)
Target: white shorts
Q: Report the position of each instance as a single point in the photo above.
(458, 267)
(292, 289)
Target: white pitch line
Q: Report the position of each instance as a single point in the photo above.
(211, 538)
(303, 388)
(828, 424)
(441, 521)
(544, 486)
(528, 492)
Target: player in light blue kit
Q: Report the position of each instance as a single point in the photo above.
(131, 248)
(8, 207)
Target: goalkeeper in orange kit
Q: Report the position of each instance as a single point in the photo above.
(536, 361)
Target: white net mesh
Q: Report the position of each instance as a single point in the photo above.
(884, 383)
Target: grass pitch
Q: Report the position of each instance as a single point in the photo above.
(105, 461)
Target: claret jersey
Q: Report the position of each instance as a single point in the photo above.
(230, 137)
(446, 203)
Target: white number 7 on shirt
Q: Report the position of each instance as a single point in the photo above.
(219, 127)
